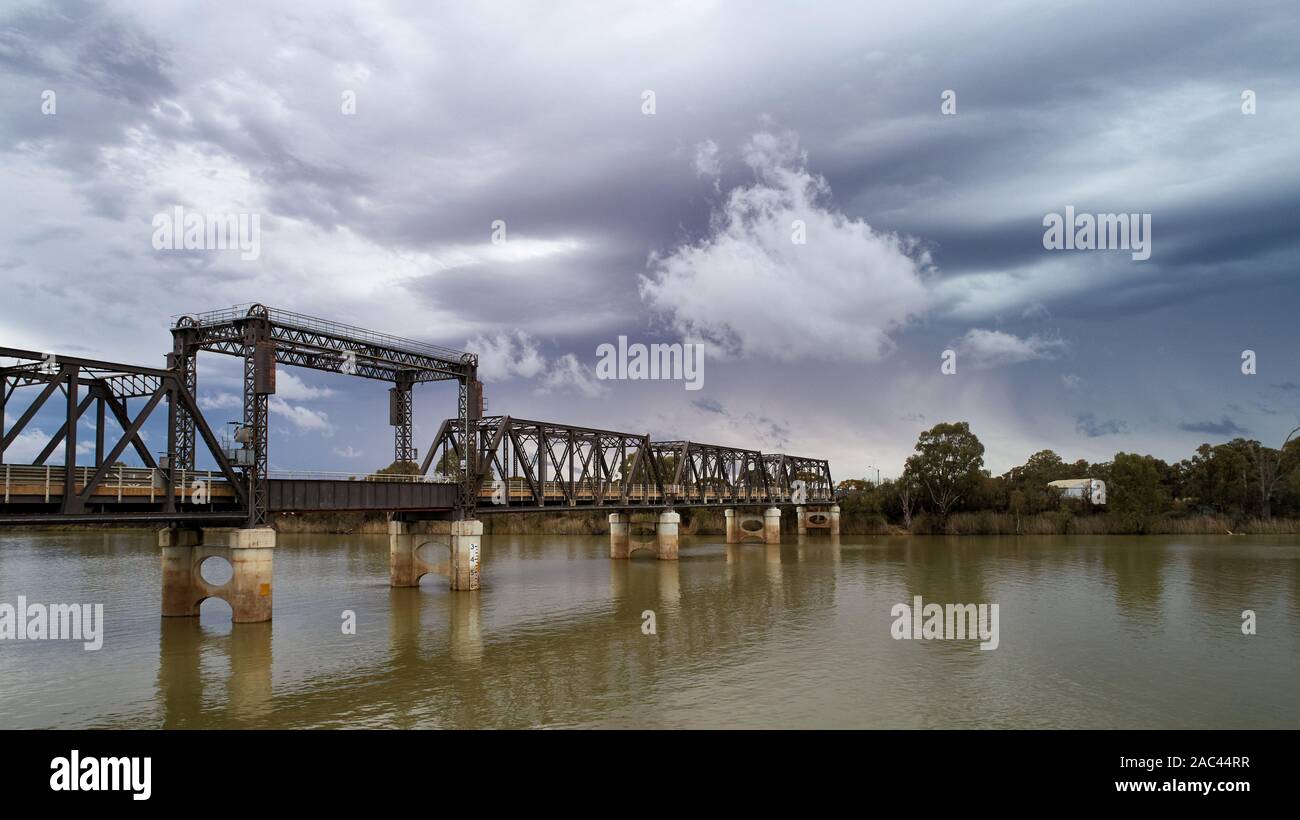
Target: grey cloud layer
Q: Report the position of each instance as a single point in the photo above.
(532, 115)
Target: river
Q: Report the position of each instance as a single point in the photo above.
(1094, 632)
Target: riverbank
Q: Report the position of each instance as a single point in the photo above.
(712, 522)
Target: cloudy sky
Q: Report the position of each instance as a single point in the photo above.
(379, 146)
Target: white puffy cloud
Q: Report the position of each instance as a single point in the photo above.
(568, 374)
(303, 418)
(991, 348)
(707, 162)
(27, 445)
(291, 388)
(506, 355)
(750, 289)
(221, 401)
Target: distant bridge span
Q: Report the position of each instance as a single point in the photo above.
(505, 465)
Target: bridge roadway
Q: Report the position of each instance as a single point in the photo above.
(498, 464)
(32, 495)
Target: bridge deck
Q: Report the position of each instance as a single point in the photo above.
(32, 495)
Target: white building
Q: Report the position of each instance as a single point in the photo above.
(1089, 489)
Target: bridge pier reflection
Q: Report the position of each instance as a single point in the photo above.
(249, 552)
(182, 682)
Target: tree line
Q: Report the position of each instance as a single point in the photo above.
(1241, 479)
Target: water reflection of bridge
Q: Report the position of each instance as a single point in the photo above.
(452, 661)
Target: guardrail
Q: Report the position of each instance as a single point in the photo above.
(136, 482)
(317, 475)
(122, 481)
(47, 481)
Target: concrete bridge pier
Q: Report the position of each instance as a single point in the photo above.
(406, 566)
(666, 535)
(741, 525)
(772, 525)
(249, 552)
(819, 519)
(466, 543)
(618, 535)
(666, 529)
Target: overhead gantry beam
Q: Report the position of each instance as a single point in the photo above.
(265, 336)
(320, 344)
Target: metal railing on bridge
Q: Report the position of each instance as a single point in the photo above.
(46, 482)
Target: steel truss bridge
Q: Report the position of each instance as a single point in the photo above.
(506, 464)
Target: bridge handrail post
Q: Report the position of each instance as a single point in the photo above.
(6, 483)
(47, 484)
(119, 483)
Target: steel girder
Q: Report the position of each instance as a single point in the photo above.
(535, 464)
(710, 473)
(525, 464)
(318, 344)
(103, 382)
(813, 474)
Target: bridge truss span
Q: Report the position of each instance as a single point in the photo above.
(526, 465)
(108, 386)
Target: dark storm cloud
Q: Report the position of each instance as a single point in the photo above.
(1089, 425)
(1224, 427)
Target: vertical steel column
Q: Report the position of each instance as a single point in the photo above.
(259, 383)
(99, 431)
(471, 409)
(71, 498)
(173, 430)
(4, 397)
(401, 408)
(185, 359)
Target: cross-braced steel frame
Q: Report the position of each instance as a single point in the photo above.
(525, 464)
(109, 386)
(532, 464)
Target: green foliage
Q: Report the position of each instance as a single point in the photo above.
(400, 468)
(947, 465)
(1136, 491)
